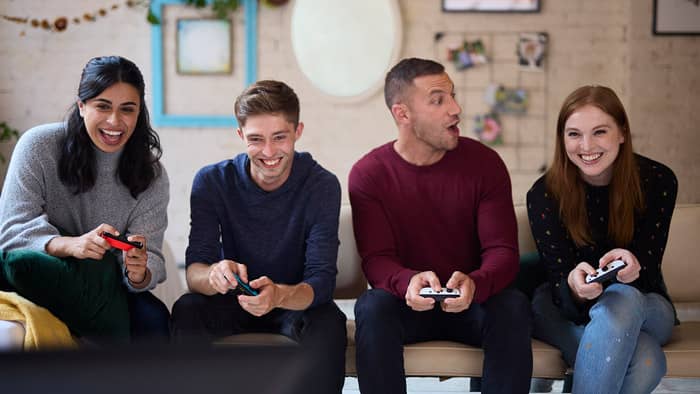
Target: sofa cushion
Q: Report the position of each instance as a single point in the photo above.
(531, 274)
(87, 295)
(683, 351)
(680, 258)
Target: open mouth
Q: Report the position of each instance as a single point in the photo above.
(454, 129)
(111, 137)
(272, 163)
(591, 158)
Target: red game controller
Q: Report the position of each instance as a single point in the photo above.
(120, 242)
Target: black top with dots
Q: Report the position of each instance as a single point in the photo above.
(560, 254)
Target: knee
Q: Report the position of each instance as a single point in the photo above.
(146, 306)
(188, 305)
(619, 306)
(510, 307)
(331, 318)
(374, 306)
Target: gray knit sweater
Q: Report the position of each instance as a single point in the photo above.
(34, 203)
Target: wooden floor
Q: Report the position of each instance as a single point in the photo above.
(461, 385)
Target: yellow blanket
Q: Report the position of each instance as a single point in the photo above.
(43, 330)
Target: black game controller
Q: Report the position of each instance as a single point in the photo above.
(606, 273)
(120, 242)
(439, 296)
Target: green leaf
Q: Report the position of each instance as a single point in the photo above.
(152, 18)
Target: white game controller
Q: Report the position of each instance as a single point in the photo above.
(606, 273)
(438, 296)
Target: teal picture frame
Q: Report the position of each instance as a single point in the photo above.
(158, 115)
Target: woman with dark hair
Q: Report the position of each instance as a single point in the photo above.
(99, 171)
(599, 202)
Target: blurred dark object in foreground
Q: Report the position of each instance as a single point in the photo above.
(158, 369)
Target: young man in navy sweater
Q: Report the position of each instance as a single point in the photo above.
(269, 217)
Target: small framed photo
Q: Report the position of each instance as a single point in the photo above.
(204, 46)
(531, 49)
(491, 5)
(676, 17)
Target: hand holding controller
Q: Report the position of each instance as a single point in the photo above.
(606, 273)
(244, 288)
(120, 242)
(439, 296)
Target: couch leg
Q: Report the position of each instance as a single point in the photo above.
(568, 382)
(475, 385)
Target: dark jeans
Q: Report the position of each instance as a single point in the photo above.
(501, 326)
(320, 331)
(150, 319)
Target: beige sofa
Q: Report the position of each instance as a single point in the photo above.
(450, 359)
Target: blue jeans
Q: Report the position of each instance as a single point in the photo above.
(501, 326)
(619, 350)
(150, 319)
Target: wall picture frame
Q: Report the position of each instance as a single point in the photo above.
(203, 46)
(676, 18)
(491, 5)
(161, 118)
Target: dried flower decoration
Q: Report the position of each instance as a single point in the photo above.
(61, 23)
(221, 8)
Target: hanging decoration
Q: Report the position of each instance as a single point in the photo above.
(531, 50)
(503, 101)
(61, 23)
(468, 54)
(487, 128)
(506, 100)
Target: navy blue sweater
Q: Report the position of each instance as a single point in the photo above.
(289, 234)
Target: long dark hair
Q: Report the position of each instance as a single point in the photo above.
(139, 163)
(564, 181)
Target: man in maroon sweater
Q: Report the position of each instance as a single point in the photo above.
(433, 209)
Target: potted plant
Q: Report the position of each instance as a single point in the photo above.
(7, 134)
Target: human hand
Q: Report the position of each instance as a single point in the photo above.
(577, 282)
(221, 277)
(466, 286)
(628, 274)
(265, 301)
(136, 260)
(90, 245)
(417, 282)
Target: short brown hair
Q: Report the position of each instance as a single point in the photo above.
(401, 76)
(267, 97)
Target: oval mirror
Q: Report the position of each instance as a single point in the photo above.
(345, 47)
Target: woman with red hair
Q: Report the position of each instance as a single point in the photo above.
(598, 203)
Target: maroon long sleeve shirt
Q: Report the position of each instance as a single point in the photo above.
(454, 215)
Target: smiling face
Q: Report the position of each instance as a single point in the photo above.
(110, 117)
(433, 112)
(592, 141)
(270, 142)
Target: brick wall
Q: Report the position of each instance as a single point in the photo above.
(597, 41)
